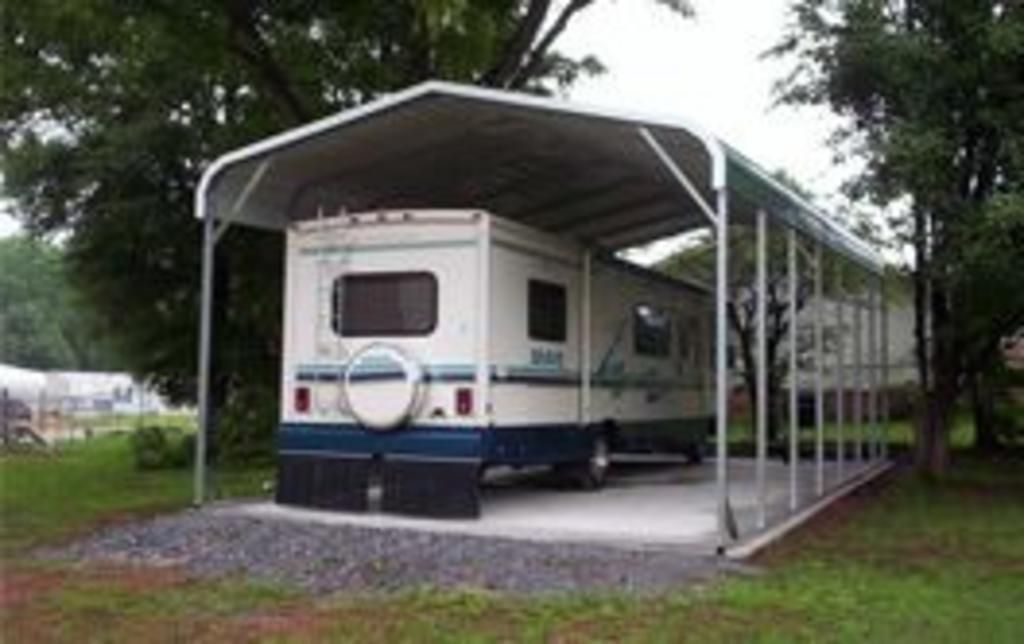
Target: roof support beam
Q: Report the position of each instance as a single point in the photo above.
(250, 186)
(794, 376)
(727, 529)
(678, 174)
(762, 369)
(205, 341)
(819, 375)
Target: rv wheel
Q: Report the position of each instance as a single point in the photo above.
(593, 473)
(694, 454)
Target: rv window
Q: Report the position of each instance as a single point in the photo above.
(652, 331)
(384, 304)
(689, 332)
(546, 311)
(685, 341)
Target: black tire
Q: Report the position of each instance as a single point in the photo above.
(592, 474)
(694, 453)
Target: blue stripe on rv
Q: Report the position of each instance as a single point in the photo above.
(511, 445)
(510, 375)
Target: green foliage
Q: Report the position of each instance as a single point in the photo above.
(246, 429)
(111, 110)
(156, 447)
(43, 323)
(932, 92)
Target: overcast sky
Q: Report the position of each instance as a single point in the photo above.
(708, 70)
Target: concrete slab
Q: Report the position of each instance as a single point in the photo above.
(645, 505)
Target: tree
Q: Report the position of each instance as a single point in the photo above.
(934, 96)
(110, 111)
(698, 261)
(42, 325)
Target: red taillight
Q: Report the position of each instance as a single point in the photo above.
(464, 401)
(302, 400)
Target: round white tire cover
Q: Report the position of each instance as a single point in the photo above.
(382, 385)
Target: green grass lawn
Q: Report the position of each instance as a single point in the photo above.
(900, 433)
(109, 421)
(50, 495)
(905, 561)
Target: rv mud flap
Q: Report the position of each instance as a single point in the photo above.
(448, 489)
(329, 481)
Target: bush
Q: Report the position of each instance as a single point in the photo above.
(156, 448)
(246, 430)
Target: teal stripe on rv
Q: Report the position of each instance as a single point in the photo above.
(526, 374)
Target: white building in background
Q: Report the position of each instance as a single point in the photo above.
(79, 391)
(103, 392)
(21, 383)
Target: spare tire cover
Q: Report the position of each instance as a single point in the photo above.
(383, 386)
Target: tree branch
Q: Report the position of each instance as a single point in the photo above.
(540, 52)
(248, 43)
(518, 45)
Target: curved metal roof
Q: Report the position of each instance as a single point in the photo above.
(571, 169)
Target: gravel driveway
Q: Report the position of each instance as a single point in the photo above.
(324, 558)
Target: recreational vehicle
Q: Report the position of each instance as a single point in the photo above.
(428, 345)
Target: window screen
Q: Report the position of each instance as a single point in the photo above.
(384, 304)
(546, 311)
(652, 331)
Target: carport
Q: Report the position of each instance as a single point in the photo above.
(612, 180)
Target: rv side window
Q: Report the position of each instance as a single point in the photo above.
(689, 333)
(685, 340)
(546, 311)
(652, 331)
(384, 304)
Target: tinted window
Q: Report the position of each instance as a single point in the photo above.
(546, 311)
(384, 304)
(652, 331)
(690, 333)
(684, 334)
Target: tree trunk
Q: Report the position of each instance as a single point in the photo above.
(983, 410)
(931, 455)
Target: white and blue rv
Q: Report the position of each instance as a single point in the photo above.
(425, 346)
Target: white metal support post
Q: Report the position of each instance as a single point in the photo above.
(585, 366)
(794, 380)
(885, 369)
(762, 367)
(722, 366)
(483, 349)
(874, 446)
(840, 381)
(205, 342)
(857, 385)
(819, 376)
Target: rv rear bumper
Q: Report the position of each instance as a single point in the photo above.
(514, 445)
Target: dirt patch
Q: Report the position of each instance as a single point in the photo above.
(21, 586)
(131, 577)
(30, 611)
(283, 624)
